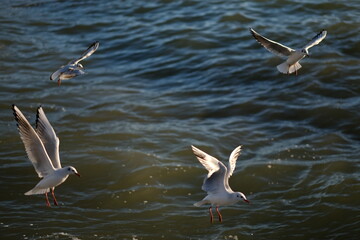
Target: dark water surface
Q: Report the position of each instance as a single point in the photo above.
(169, 74)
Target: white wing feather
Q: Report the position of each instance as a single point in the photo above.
(57, 73)
(91, 49)
(316, 40)
(34, 147)
(48, 137)
(232, 160)
(209, 162)
(272, 46)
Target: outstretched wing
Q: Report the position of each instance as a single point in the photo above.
(71, 72)
(91, 49)
(272, 46)
(48, 137)
(316, 40)
(232, 160)
(232, 164)
(34, 147)
(215, 180)
(57, 73)
(209, 162)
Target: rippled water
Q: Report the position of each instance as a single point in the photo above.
(169, 74)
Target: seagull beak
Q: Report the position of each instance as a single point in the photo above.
(245, 200)
(77, 174)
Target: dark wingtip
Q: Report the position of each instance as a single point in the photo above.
(13, 108)
(94, 44)
(253, 33)
(97, 44)
(15, 114)
(37, 116)
(14, 111)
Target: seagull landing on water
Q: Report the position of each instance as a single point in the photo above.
(216, 183)
(74, 68)
(293, 56)
(42, 148)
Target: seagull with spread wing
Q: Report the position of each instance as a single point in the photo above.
(42, 147)
(74, 68)
(216, 183)
(293, 56)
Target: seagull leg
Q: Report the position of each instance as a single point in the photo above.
(59, 82)
(211, 215)
(53, 194)
(47, 200)
(218, 212)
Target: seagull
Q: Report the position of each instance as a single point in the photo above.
(293, 56)
(42, 147)
(216, 183)
(74, 68)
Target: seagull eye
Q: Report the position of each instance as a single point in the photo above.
(69, 169)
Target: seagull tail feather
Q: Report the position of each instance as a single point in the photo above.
(198, 204)
(37, 191)
(286, 69)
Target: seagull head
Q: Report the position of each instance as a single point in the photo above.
(306, 52)
(242, 196)
(72, 170)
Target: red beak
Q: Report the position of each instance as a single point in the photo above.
(77, 174)
(245, 200)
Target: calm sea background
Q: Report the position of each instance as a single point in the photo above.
(169, 74)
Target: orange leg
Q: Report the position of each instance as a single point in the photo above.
(53, 194)
(218, 212)
(47, 200)
(59, 82)
(211, 215)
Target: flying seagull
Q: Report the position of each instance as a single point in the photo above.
(74, 68)
(216, 183)
(293, 56)
(42, 147)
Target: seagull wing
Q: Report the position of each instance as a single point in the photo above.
(48, 137)
(316, 40)
(272, 46)
(91, 49)
(214, 181)
(57, 73)
(34, 147)
(209, 162)
(232, 164)
(232, 160)
(71, 73)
